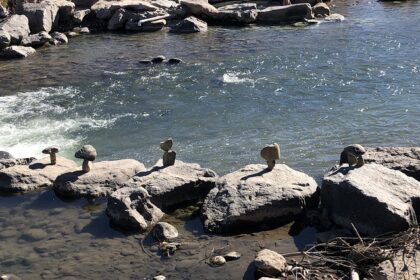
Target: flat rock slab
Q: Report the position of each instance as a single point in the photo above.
(38, 174)
(284, 14)
(104, 178)
(176, 185)
(131, 209)
(252, 196)
(6, 163)
(105, 9)
(404, 159)
(374, 198)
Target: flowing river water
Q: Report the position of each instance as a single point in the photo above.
(313, 90)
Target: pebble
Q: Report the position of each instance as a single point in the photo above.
(9, 233)
(217, 260)
(34, 234)
(9, 277)
(231, 256)
(159, 277)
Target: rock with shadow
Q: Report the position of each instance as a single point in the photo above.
(38, 174)
(374, 198)
(177, 185)
(254, 196)
(103, 178)
(130, 209)
(404, 159)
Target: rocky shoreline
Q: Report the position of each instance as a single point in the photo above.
(28, 25)
(366, 194)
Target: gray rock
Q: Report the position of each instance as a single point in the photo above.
(84, 30)
(190, 25)
(5, 39)
(37, 40)
(152, 26)
(334, 18)
(42, 16)
(284, 14)
(238, 7)
(199, 8)
(321, 10)
(4, 154)
(374, 198)
(159, 277)
(217, 260)
(158, 59)
(130, 208)
(17, 26)
(38, 174)
(79, 15)
(270, 263)
(174, 61)
(168, 158)
(34, 234)
(105, 9)
(103, 179)
(59, 38)
(165, 232)
(9, 277)
(84, 3)
(167, 144)
(6, 163)
(14, 52)
(175, 185)
(3, 12)
(311, 2)
(253, 196)
(404, 159)
(119, 19)
(236, 14)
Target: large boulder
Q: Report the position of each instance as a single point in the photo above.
(103, 179)
(42, 16)
(199, 8)
(9, 162)
(284, 14)
(374, 198)
(172, 186)
(129, 20)
(17, 26)
(131, 209)
(238, 14)
(253, 196)
(190, 25)
(79, 16)
(105, 9)
(404, 159)
(4, 154)
(14, 52)
(5, 39)
(38, 174)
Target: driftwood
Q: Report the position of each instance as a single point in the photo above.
(152, 19)
(351, 257)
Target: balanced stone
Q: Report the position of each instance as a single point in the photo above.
(88, 154)
(166, 145)
(169, 158)
(271, 153)
(253, 197)
(52, 151)
(353, 155)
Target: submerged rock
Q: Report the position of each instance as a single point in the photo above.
(38, 174)
(102, 179)
(246, 199)
(172, 186)
(270, 263)
(374, 198)
(17, 26)
(284, 14)
(130, 208)
(190, 25)
(404, 159)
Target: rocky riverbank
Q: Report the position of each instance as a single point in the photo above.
(358, 197)
(28, 25)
